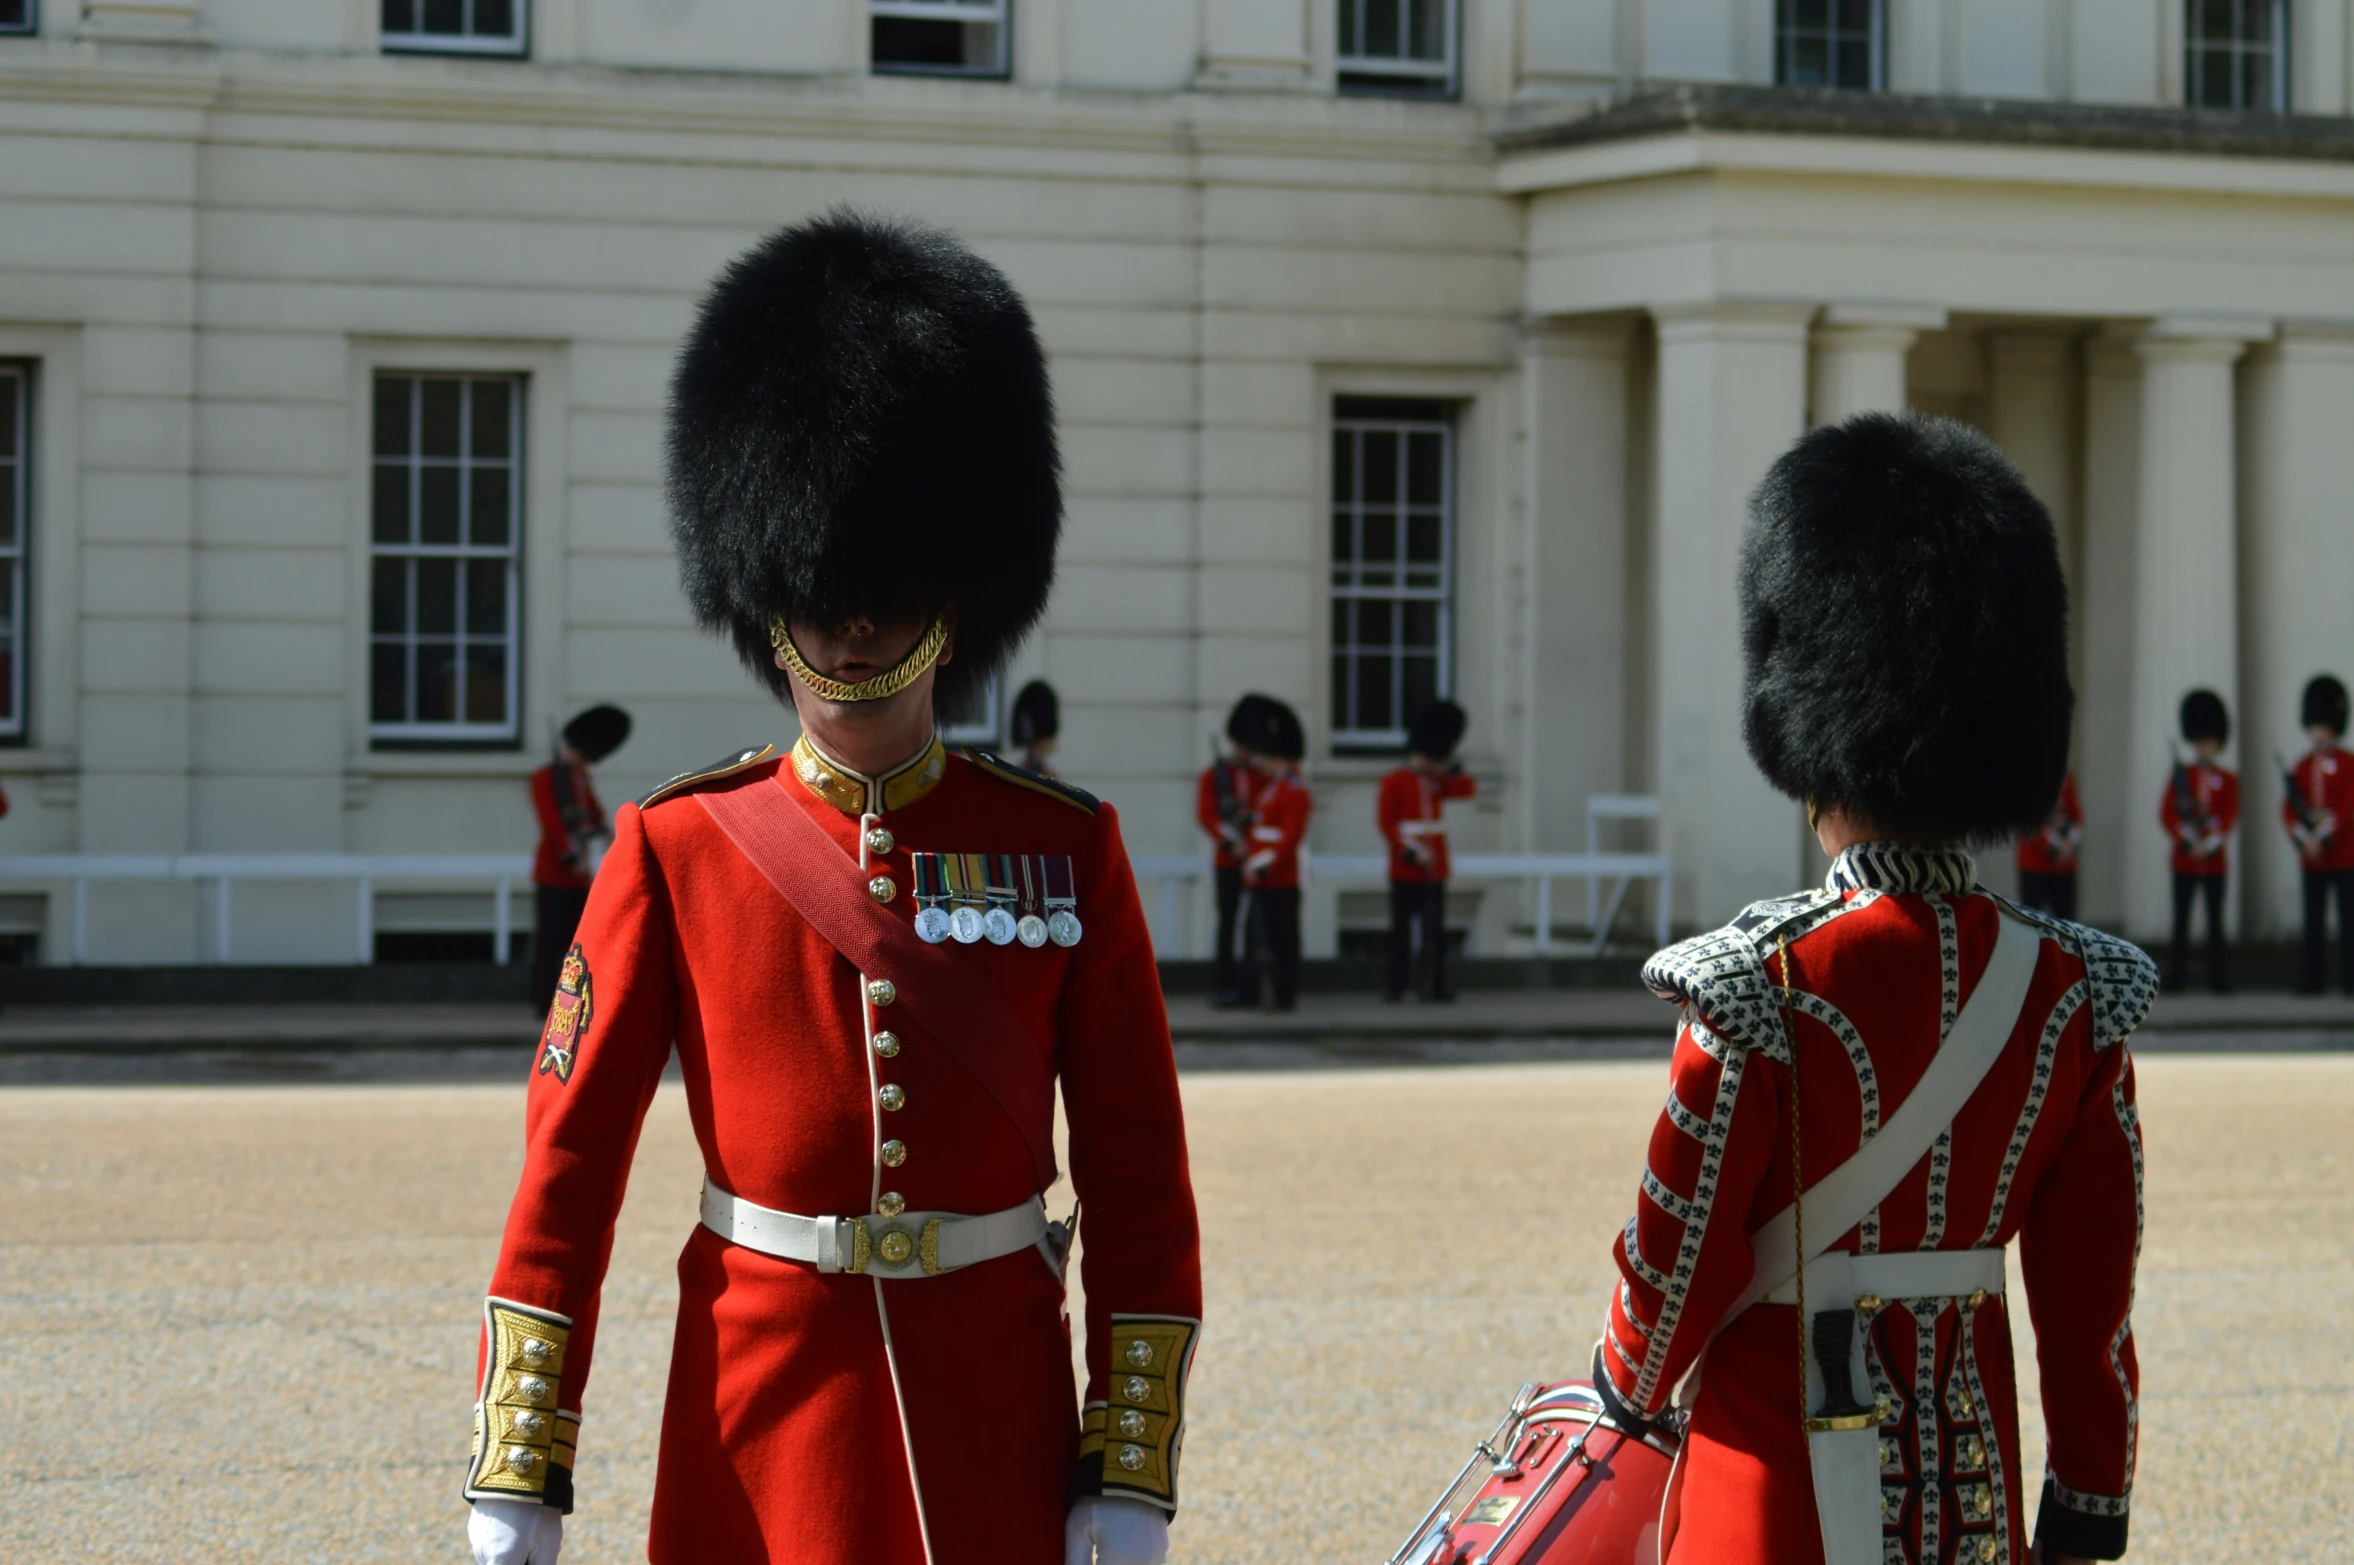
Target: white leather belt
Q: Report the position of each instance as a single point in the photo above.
(913, 1244)
(1835, 1279)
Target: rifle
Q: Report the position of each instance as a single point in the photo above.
(583, 824)
(2316, 830)
(1231, 809)
(2187, 809)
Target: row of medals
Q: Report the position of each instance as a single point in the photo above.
(998, 926)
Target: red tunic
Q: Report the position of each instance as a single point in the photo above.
(1248, 782)
(807, 1410)
(2200, 835)
(554, 864)
(2048, 1151)
(1408, 809)
(2326, 777)
(2052, 851)
(1277, 830)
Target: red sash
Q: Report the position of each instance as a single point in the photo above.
(956, 1005)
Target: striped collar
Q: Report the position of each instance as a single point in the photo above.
(1903, 866)
(854, 793)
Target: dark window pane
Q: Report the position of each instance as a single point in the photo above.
(915, 42)
(488, 523)
(1344, 466)
(1855, 16)
(492, 401)
(1381, 551)
(1352, 25)
(1421, 682)
(8, 482)
(1425, 539)
(392, 416)
(437, 597)
(13, 16)
(1855, 64)
(400, 16)
(388, 683)
(486, 683)
(2257, 24)
(2212, 19)
(437, 504)
(2255, 81)
(1375, 706)
(486, 597)
(1345, 710)
(1373, 623)
(1422, 624)
(445, 16)
(494, 18)
(437, 682)
(388, 597)
(1342, 622)
(1381, 467)
(1429, 33)
(389, 506)
(1426, 467)
(440, 435)
(1814, 14)
(8, 399)
(1809, 62)
(2215, 80)
(1381, 28)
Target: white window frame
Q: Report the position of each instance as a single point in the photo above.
(30, 27)
(410, 732)
(1398, 74)
(2237, 48)
(989, 728)
(966, 12)
(1787, 33)
(1398, 593)
(16, 476)
(420, 42)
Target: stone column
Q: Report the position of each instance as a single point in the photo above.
(2186, 622)
(2297, 558)
(1731, 398)
(1859, 352)
(2117, 798)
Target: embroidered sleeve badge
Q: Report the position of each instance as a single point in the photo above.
(568, 1018)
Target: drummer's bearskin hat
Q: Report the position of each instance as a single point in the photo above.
(2204, 716)
(1436, 730)
(2325, 704)
(860, 422)
(1904, 628)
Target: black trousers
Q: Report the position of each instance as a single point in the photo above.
(2051, 892)
(2209, 889)
(1273, 928)
(1229, 879)
(1418, 906)
(558, 921)
(2313, 974)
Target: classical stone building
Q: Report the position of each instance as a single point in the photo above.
(1403, 346)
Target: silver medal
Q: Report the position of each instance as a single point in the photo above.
(931, 925)
(999, 927)
(1031, 931)
(965, 925)
(1063, 928)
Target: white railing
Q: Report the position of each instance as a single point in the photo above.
(223, 870)
(1176, 871)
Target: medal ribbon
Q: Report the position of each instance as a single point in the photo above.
(971, 877)
(1061, 888)
(1001, 881)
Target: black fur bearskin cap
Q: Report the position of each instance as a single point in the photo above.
(2204, 717)
(2325, 704)
(1436, 730)
(1904, 628)
(1280, 732)
(1246, 724)
(860, 422)
(1037, 714)
(598, 732)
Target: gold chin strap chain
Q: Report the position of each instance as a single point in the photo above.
(888, 683)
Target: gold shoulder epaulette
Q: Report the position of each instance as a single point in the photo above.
(728, 766)
(1022, 777)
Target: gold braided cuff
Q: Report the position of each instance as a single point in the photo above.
(888, 683)
(1143, 1427)
(523, 1446)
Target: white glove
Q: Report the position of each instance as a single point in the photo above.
(515, 1532)
(1112, 1531)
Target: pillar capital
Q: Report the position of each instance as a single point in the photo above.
(1751, 320)
(1584, 336)
(2199, 338)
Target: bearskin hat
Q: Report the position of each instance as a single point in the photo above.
(598, 732)
(1280, 732)
(1904, 629)
(860, 423)
(1436, 730)
(1246, 724)
(1037, 714)
(2325, 704)
(2204, 717)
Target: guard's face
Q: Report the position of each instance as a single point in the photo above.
(860, 647)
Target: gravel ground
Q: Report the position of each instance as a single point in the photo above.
(237, 1322)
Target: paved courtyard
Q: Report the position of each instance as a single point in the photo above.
(237, 1323)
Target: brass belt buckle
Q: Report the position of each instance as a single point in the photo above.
(862, 1244)
(894, 1247)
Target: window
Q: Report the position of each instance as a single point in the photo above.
(18, 16)
(2238, 55)
(940, 37)
(1398, 47)
(974, 720)
(1830, 43)
(444, 630)
(455, 26)
(1393, 547)
(16, 430)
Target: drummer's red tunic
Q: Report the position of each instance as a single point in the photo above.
(2047, 1152)
(806, 1411)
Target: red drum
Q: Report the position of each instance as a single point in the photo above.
(1558, 1483)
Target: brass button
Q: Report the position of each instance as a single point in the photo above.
(1140, 1354)
(535, 1352)
(1986, 1551)
(813, 773)
(522, 1458)
(881, 991)
(1978, 1299)
(1131, 1423)
(528, 1423)
(895, 1248)
(1867, 1305)
(882, 888)
(1136, 1388)
(892, 1203)
(887, 1044)
(893, 1099)
(1132, 1457)
(880, 840)
(532, 1389)
(894, 1153)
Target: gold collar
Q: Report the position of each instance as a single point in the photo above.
(854, 793)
